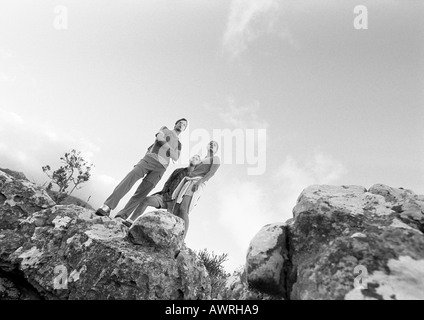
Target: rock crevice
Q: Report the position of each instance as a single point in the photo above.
(14, 286)
(338, 231)
(288, 272)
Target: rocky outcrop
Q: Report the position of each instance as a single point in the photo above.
(15, 174)
(346, 242)
(265, 259)
(170, 236)
(18, 199)
(68, 199)
(50, 251)
(237, 288)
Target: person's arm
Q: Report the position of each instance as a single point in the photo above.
(208, 175)
(160, 139)
(160, 136)
(173, 153)
(176, 154)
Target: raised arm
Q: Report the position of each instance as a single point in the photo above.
(214, 167)
(210, 173)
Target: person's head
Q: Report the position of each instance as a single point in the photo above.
(212, 147)
(181, 125)
(194, 160)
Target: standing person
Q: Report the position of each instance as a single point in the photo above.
(163, 199)
(190, 189)
(151, 168)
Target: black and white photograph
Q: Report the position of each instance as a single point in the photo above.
(229, 152)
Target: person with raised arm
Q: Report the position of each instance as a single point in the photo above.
(151, 168)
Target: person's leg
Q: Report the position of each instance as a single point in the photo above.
(152, 201)
(172, 207)
(155, 173)
(183, 212)
(126, 184)
(141, 193)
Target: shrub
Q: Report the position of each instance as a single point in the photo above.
(73, 173)
(213, 264)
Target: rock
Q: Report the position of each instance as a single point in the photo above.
(13, 287)
(405, 281)
(195, 277)
(265, 259)
(160, 229)
(68, 199)
(409, 205)
(237, 288)
(67, 252)
(15, 174)
(8, 290)
(395, 196)
(19, 199)
(341, 230)
(345, 242)
(328, 199)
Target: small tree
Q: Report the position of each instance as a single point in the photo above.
(74, 172)
(213, 264)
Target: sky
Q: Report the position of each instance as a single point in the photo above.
(296, 93)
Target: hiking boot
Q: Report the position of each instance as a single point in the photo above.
(101, 212)
(127, 223)
(124, 222)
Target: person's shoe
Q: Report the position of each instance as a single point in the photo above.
(119, 216)
(127, 223)
(102, 213)
(124, 222)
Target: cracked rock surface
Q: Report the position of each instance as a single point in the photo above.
(345, 242)
(50, 251)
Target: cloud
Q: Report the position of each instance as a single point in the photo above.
(10, 69)
(248, 127)
(246, 206)
(28, 144)
(108, 180)
(6, 78)
(31, 136)
(243, 116)
(242, 211)
(251, 19)
(5, 54)
(294, 175)
(98, 188)
(10, 118)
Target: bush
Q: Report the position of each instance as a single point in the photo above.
(213, 264)
(74, 172)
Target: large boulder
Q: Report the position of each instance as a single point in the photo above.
(266, 258)
(161, 229)
(345, 242)
(67, 252)
(237, 288)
